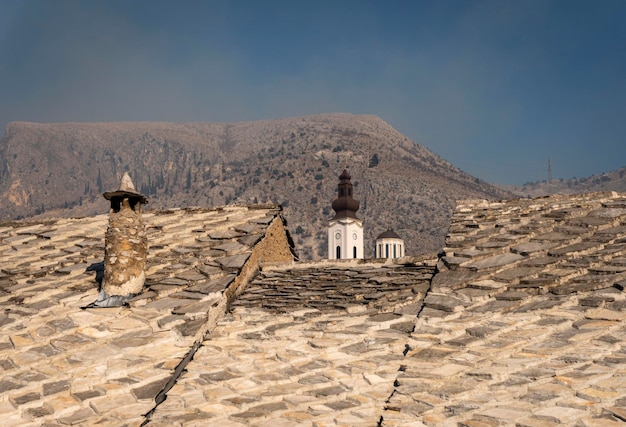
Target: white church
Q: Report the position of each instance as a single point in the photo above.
(345, 229)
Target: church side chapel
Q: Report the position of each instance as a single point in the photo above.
(389, 245)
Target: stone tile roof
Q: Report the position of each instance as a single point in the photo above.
(522, 323)
(63, 365)
(525, 323)
(521, 320)
(316, 344)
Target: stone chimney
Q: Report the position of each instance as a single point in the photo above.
(125, 247)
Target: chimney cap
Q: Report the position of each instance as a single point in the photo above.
(127, 189)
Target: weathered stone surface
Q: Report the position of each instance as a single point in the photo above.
(150, 390)
(39, 412)
(224, 234)
(89, 394)
(452, 278)
(494, 261)
(78, 417)
(216, 285)
(233, 261)
(25, 398)
(529, 248)
(341, 355)
(445, 303)
(539, 356)
(55, 387)
(521, 324)
(231, 247)
(67, 366)
(126, 246)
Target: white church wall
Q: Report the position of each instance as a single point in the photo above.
(347, 235)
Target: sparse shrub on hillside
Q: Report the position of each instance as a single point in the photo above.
(193, 171)
(322, 248)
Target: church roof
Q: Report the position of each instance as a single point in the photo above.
(345, 206)
(389, 234)
(520, 321)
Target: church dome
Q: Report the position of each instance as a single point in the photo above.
(389, 234)
(346, 205)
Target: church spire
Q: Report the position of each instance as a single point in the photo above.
(344, 205)
(345, 230)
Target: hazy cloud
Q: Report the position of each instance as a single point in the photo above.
(495, 87)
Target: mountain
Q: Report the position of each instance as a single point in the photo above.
(63, 169)
(609, 181)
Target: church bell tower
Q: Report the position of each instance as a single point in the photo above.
(345, 230)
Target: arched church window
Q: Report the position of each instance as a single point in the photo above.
(386, 250)
(338, 252)
(354, 252)
(341, 192)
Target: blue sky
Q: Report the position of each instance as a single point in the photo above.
(494, 87)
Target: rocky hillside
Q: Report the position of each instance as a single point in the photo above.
(610, 181)
(63, 169)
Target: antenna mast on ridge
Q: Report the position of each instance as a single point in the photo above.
(549, 170)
